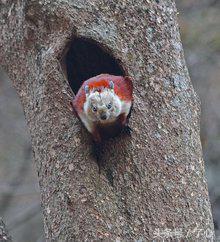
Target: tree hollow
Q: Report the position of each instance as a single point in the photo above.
(85, 58)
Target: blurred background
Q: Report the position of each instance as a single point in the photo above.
(199, 22)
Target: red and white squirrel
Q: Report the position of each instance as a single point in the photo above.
(103, 104)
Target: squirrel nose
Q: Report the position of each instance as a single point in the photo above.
(103, 117)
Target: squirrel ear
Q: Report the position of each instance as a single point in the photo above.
(86, 88)
(111, 85)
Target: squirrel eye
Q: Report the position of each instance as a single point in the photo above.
(109, 105)
(94, 109)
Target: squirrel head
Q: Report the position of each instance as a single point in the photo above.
(102, 104)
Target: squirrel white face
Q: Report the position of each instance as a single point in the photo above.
(103, 105)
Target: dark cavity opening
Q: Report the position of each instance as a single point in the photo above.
(85, 58)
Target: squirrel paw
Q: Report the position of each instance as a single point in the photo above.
(127, 130)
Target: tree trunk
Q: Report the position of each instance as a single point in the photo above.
(4, 235)
(152, 184)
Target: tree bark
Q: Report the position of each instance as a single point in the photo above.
(152, 184)
(4, 235)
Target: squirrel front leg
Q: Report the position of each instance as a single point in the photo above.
(96, 135)
(123, 119)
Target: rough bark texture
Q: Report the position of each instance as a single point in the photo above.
(4, 235)
(152, 181)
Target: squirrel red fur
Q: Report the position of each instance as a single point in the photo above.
(103, 104)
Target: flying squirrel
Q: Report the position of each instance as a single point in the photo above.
(103, 104)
